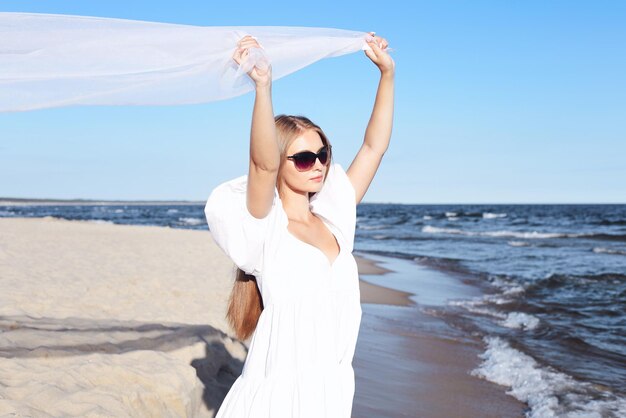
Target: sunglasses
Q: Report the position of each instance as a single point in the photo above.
(306, 159)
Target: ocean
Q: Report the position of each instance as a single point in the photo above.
(552, 310)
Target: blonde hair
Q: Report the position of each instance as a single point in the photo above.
(245, 303)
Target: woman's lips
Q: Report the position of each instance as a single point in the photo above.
(319, 178)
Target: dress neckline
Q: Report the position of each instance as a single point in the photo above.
(321, 217)
(319, 250)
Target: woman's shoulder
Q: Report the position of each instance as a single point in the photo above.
(240, 235)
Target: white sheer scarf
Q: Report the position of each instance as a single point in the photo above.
(49, 60)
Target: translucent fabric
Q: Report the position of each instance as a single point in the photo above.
(49, 60)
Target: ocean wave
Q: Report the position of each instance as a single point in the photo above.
(557, 279)
(513, 320)
(527, 235)
(605, 237)
(491, 215)
(438, 230)
(506, 285)
(520, 320)
(523, 234)
(548, 392)
(371, 227)
(504, 233)
(518, 243)
(442, 263)
(480, 304)
(401, 221)
(602, 250)
(468, 214)
(608, 222)
(476, 306)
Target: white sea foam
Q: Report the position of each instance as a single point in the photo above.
(172, 211)
(526, 235)
(476, 306)
(448, 214)
(380, 236)
(494, 299)
(490, 215)
(509, 291)
(518, 243)
(191, 221)
(520, 320)
(516, 234)
(370, 227)
(437, 230)
(427, 217)
(548, 393)
(507, 286)
(602, 250)
(118, 211)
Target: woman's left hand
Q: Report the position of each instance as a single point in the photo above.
(379, 54)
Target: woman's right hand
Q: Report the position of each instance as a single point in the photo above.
(261, 76)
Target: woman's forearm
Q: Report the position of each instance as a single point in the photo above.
(378, 132)
(264, 153)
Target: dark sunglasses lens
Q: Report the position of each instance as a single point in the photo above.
(323, 156)
(305, 161)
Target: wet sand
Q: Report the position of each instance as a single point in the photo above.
(410, 364)
(123, 320)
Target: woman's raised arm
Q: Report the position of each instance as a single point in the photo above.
(378, 133)
(264, 153)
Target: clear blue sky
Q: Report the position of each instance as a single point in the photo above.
(496, 102)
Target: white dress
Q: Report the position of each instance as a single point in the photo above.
(299, 363)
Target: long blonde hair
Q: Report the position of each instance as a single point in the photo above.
(245, 303)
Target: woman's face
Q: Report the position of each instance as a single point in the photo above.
(310, 180)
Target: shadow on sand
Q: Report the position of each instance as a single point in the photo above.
(30, 337)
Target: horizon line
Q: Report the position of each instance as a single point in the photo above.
(7, 201)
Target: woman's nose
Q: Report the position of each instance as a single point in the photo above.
(318, 164)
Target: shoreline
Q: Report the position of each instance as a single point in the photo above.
(94, 307)
(408, 360)
(377, 293)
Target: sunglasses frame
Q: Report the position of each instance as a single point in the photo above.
(295, 156)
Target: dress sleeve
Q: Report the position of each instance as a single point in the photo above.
(336, 201)
(239, 234)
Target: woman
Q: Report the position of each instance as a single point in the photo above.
(289, 228)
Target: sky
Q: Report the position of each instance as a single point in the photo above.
(495, 102)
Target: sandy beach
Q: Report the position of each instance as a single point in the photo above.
(113, 320)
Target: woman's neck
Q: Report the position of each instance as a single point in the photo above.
(296, 204)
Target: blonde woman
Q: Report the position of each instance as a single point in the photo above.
(289, 228)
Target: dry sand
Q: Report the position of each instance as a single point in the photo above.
(113, 320)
